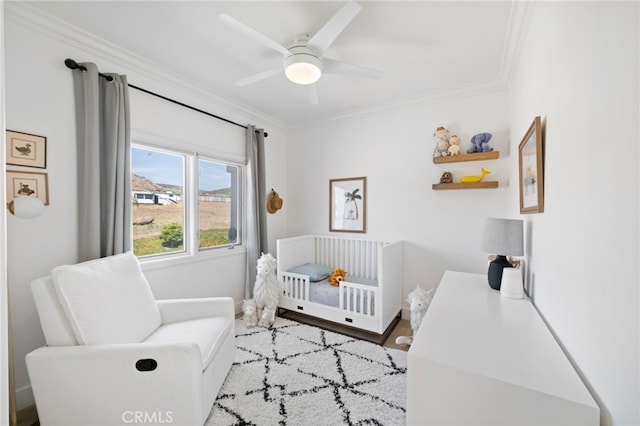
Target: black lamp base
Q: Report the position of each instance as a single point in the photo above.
(495, 271)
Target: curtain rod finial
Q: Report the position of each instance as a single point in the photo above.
(70, 63)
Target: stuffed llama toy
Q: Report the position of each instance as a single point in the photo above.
(268, 317)
(419, 300)
(267, 288)
(250, 313)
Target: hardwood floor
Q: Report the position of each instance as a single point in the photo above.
(402, 329)
(27, 417)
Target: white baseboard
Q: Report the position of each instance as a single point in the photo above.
(405, 314)
(24, 397)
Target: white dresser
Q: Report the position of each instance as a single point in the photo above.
(483, 359)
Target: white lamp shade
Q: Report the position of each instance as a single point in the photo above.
(26, 207)
(503, 237)
(303, 68)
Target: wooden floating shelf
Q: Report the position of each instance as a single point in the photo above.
(460, 185)
(476, 156)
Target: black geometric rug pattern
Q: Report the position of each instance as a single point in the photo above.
(296, 374)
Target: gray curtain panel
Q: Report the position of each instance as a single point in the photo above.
(256, 230)
(104, 151)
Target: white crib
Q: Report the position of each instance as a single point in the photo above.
(369, 299)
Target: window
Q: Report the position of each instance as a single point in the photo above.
(182, 203)
(217, 203)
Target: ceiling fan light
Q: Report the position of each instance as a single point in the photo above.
(303, 69)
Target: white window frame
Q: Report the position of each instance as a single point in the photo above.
(191, 249)
(239, 182)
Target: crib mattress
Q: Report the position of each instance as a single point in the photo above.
(323, 292)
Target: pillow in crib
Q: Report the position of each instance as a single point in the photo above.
(314, 271)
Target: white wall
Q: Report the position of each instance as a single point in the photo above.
(4, 312)
(39, 97)
(35, 105)
(579, 71)
(441, 229)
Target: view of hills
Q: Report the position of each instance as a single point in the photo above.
(141, 183)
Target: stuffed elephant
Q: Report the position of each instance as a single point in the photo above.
(480, 143)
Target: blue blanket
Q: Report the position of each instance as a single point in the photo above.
(324, 293)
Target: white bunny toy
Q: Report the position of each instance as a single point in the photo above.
(419, 300)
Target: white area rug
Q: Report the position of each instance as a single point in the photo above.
(296, 374)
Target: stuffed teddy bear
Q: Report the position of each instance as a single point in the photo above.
(442, 142)
(337, 276)
(480, 143)
(250, 313)
(454, 145)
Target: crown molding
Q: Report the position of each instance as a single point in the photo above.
(21, 13)
(435, 97)
(519, 20)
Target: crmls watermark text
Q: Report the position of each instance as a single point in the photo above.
(148, 417)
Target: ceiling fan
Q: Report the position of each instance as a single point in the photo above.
(303, 60)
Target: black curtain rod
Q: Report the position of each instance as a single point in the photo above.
(71, 64)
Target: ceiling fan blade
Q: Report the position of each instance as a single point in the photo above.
(257, 77)
(332, 29)
(254, 34)
(337, 67)
(312, 94)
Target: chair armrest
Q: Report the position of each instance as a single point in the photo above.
(176, 310)
(100, 384)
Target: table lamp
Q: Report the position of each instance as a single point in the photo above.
(504, 237)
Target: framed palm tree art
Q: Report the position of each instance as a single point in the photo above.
(531, 169)
(347, 204)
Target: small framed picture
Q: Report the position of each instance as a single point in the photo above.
(27, 184)
(347, 204)
(24, 149)
(531, 165)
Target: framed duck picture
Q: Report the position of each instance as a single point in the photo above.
(25, 149)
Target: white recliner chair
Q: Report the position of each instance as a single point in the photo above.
(115, 355)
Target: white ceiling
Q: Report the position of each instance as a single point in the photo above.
(425, 48)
